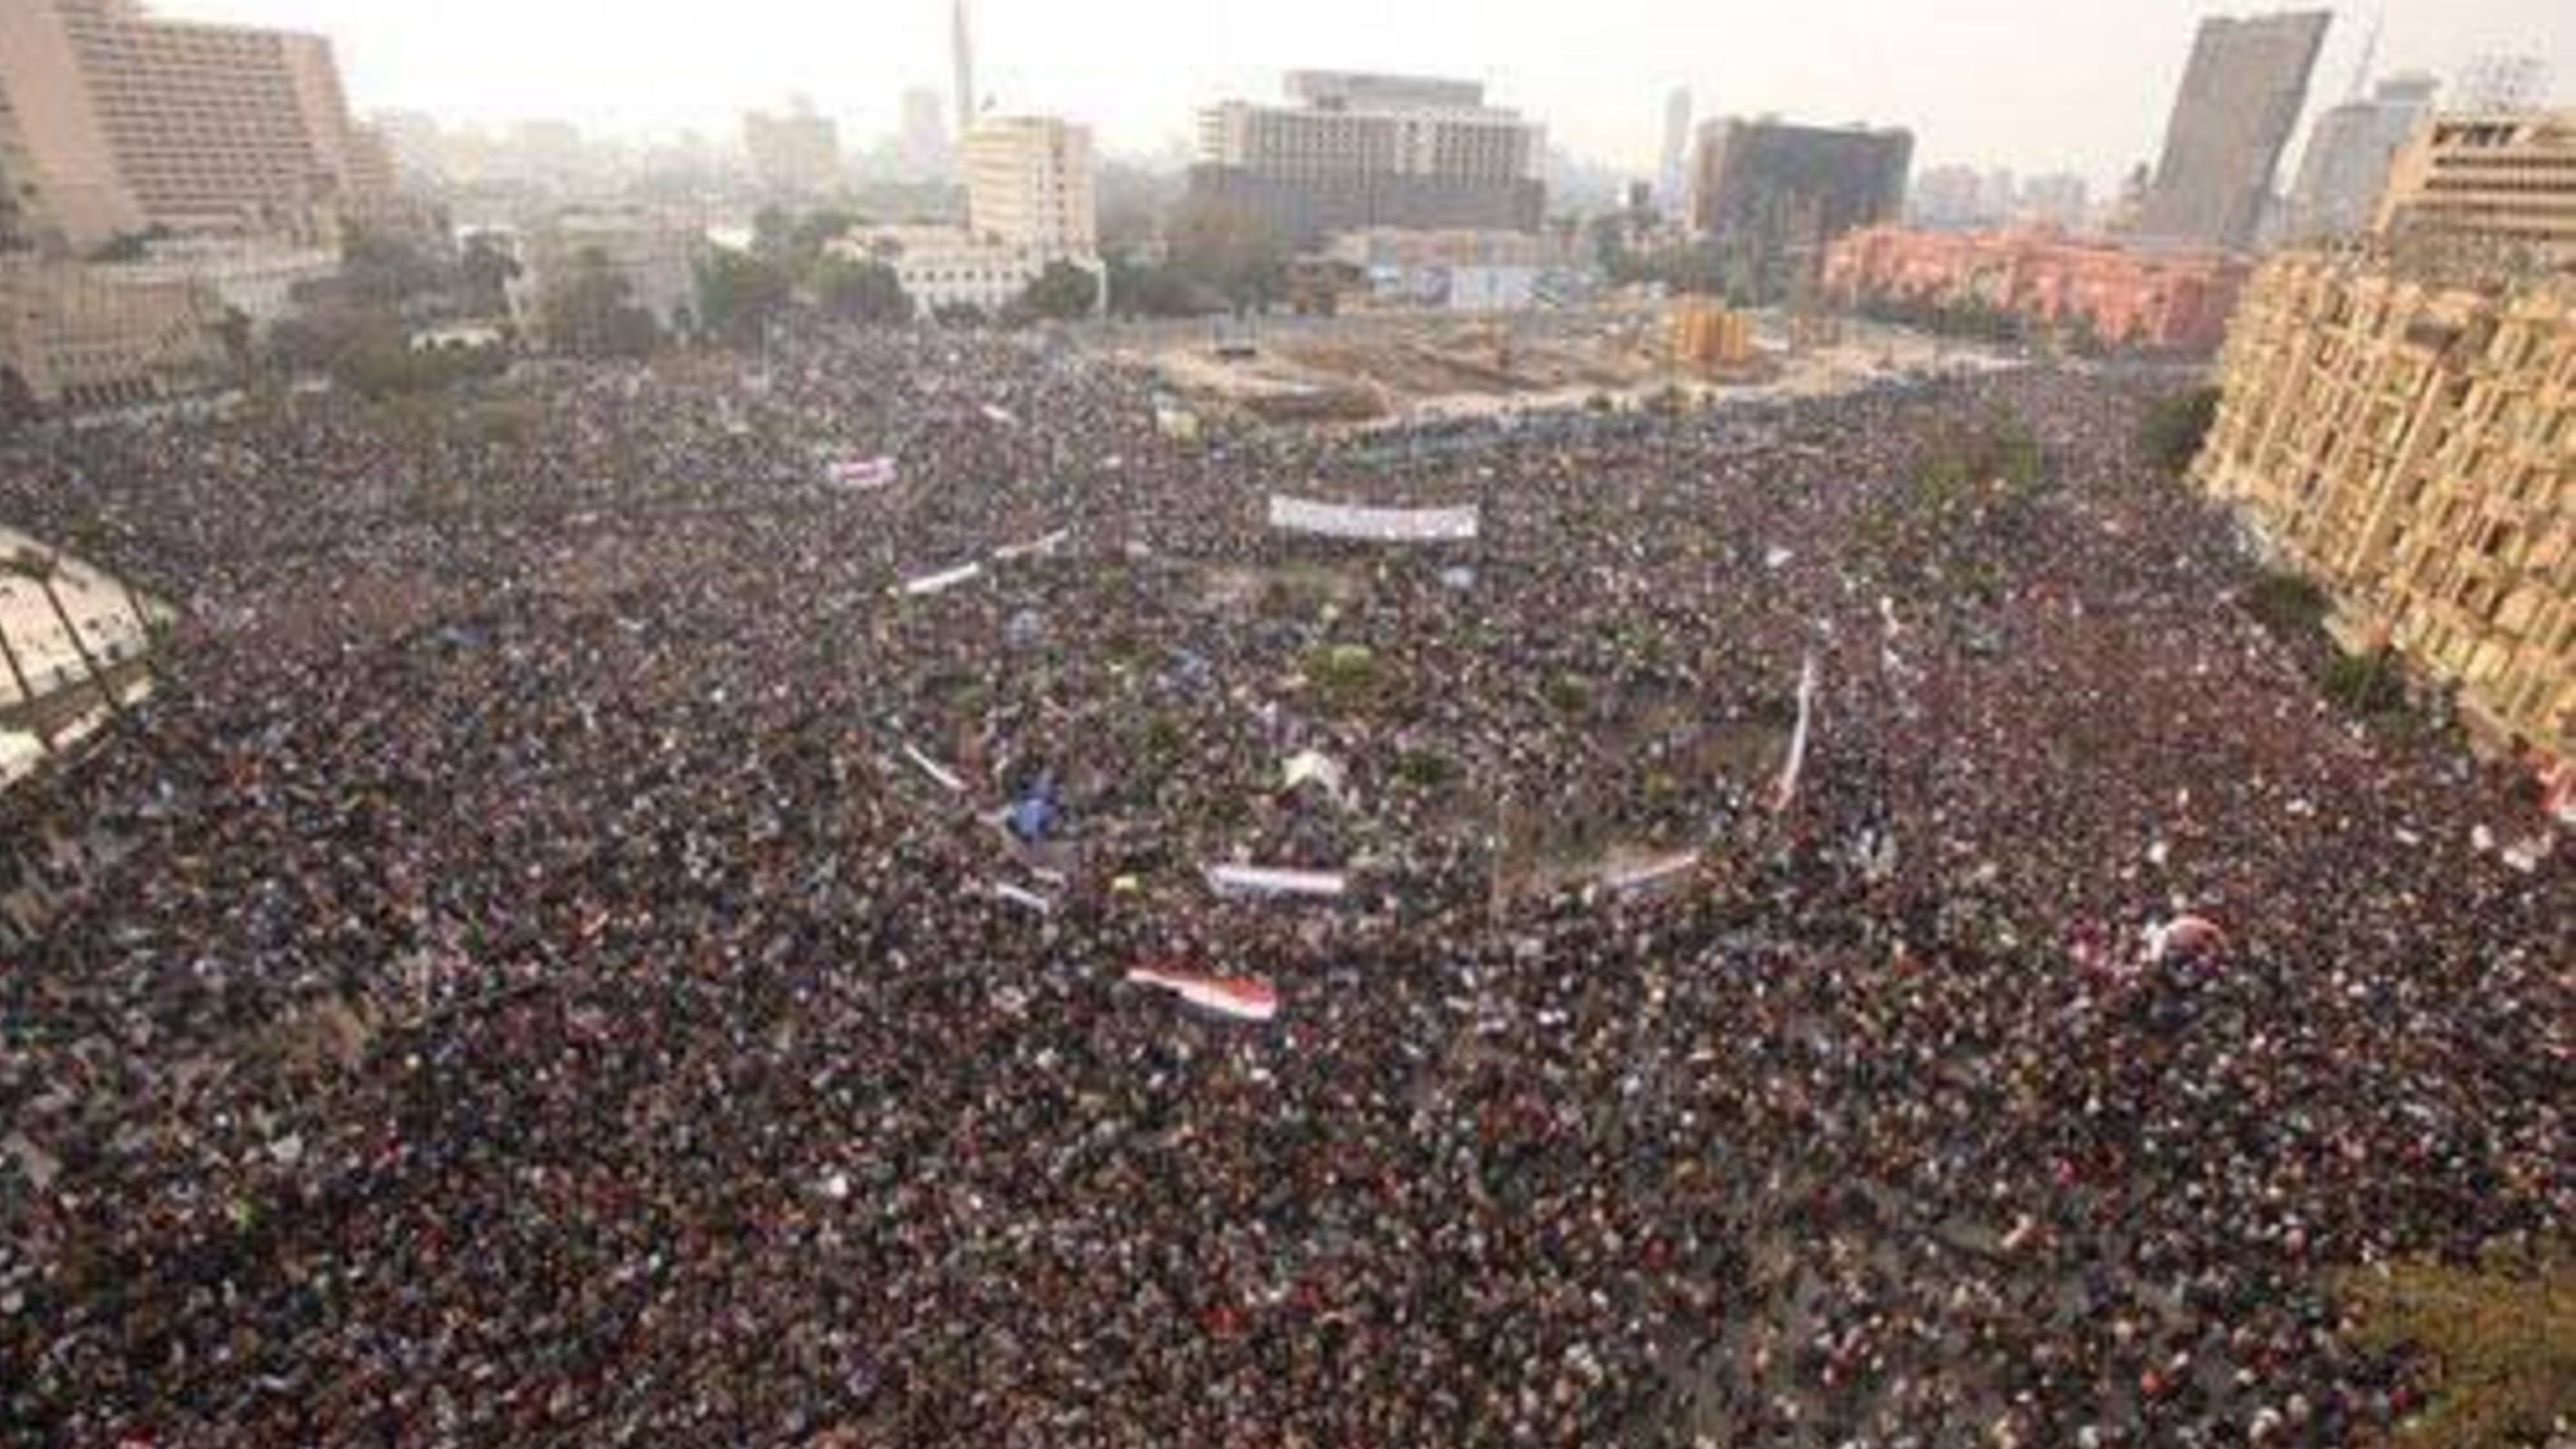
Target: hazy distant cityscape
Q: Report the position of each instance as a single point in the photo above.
(1361, 780)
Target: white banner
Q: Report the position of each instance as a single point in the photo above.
(945, 778)
(1650, 874)
(940, 583)
(1244, 880)
(1374, 525)
(1041, 548)
(1794, 771)
(864, 475)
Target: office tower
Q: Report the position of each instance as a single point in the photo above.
(1771, 195)
(415, 140)
(961, 41)
(1946, 196)
(1029, 183)
(2500, 184)
(2060, 200)
(1672, 177)
(2240, 99)
(2345, 170)
(798, 153)
(1349, 152)
(923, 150)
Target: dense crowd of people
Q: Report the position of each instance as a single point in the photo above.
(543, 968)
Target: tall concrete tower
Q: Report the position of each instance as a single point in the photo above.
(962, 41)
(2240, 99)
(1670, 177)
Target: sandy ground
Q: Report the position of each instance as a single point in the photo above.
(1451, 368)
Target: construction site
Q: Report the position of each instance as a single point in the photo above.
(1368, 371)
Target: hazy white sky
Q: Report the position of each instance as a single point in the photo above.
(2036, 85)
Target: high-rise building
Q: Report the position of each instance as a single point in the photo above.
(1999, 193)
(2496, 183)
(961, 41)
(1350, 152)
(2240, 99)
(2400, 436)
(2345, 170)
(798, 153)
(1029, 183)
(923, 151)
(547, 152)
(2062, 201)
(416, 141)
(1948, 196)
(1672, 176)
(1771, 195)
(133, 122)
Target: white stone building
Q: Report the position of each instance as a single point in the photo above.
(943, 267)
(1030, 183)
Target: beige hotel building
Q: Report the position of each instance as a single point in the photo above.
(129, 121)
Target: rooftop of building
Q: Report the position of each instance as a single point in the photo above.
(1775, 124)
(1366, 90)
(2437, 263)
(135, 12)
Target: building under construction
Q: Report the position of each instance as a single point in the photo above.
(2409, 442)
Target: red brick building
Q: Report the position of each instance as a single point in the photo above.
(2155, 300)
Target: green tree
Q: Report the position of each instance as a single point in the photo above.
(486, 269)
(17, 401)
(128, 246)
(2499, 1339)
(773, 233)
(1610, 249)
(2176, 427)
(740, 294)
(1230, 251)
(1061, 293)
(1137, 289)
(592, 313)
(364, 350)
(235, 333)
(814, 233)
(855, 291)
(390, 272)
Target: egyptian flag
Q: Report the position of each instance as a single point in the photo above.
(1236, 998)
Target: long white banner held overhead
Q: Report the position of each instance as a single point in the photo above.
(940, 583)
(1041, 548)
(1374, 525)
(1652, 874)
(1240, 881)
(1794, 771)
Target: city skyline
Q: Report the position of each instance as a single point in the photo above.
(1598, 88)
